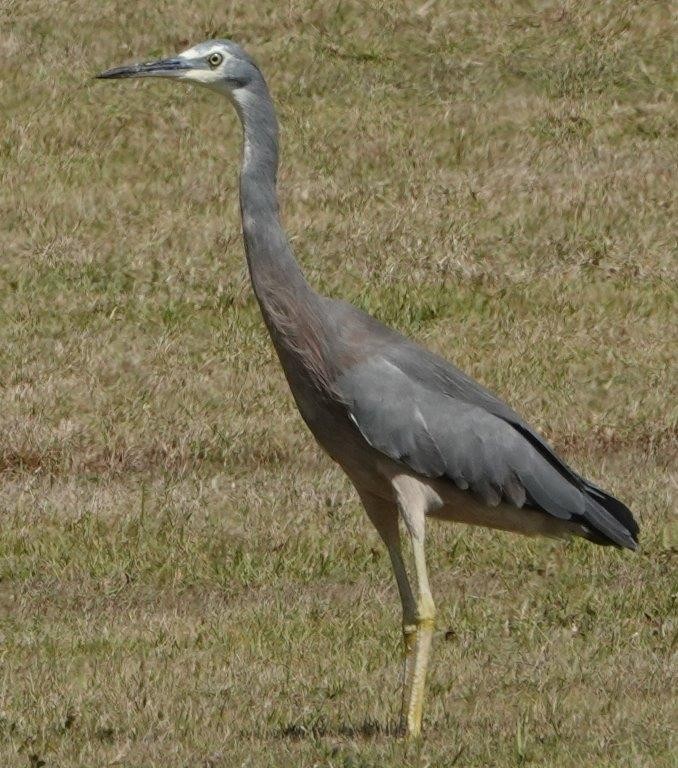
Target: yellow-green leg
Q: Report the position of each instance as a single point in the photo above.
(414, 499)
(417, 662)
(384, 516)
(409, 624)
(419, 614)
(418, 626)
(409, 649)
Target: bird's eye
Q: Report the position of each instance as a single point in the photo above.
(215, 59)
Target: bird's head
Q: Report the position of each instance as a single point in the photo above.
(218, 64)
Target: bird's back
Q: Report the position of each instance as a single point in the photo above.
(385, 395)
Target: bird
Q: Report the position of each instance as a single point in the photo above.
(417, 437)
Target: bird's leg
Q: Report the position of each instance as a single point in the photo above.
(409, 620)
(413, 501)
(384, 516)
(425, 623)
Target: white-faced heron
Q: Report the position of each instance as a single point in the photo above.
(416, 436)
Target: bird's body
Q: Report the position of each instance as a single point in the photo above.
(416, 436)
(381, 405)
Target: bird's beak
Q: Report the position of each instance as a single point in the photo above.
(162, 68)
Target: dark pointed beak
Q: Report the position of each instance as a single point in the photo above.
(161, 68)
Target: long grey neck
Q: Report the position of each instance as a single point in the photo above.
(278, 282)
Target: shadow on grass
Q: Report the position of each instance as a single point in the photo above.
(318, 728)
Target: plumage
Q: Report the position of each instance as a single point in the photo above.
(416, 436)
(434, 419)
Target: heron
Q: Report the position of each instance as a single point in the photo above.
(417, 437)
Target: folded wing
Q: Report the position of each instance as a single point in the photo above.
(441, 424)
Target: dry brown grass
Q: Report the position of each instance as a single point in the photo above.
(184, 580)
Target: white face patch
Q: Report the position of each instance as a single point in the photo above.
(203, 51)
(205, 76)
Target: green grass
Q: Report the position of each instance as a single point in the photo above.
(184, 579)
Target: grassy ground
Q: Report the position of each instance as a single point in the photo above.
(184, 579)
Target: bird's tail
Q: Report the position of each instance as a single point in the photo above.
(609, 522)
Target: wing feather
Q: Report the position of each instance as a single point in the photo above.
(467, 436)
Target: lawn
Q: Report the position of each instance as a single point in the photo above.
(185, 580)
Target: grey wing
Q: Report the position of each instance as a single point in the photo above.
(439, 435)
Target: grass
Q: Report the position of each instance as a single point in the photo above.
(184, 579)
